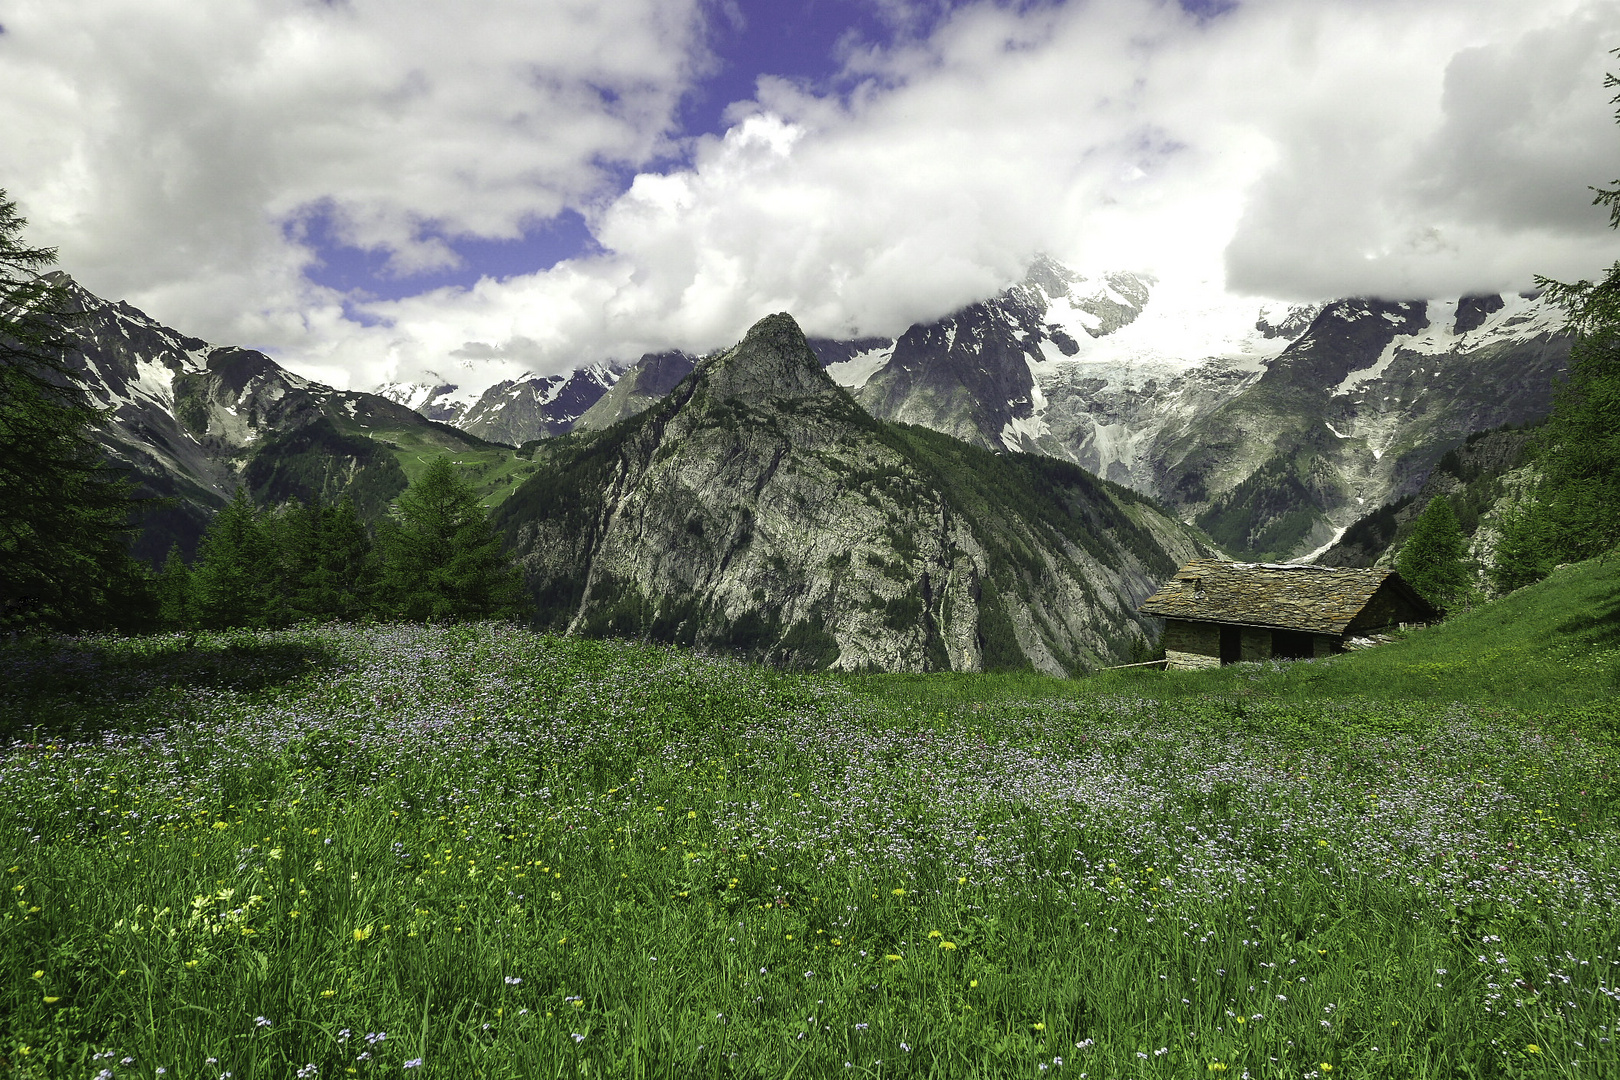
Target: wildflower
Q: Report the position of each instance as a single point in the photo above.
(899, 892)
(948, 945)
(308, 1071)
(328, 993)
(891, 957)
(513, 980)
(577, 1036)
(52, 1000)
(935, 933)
(260, 1021)
(1530, 1049)
(414, 1063)
(1039, 1027)
(40, 974)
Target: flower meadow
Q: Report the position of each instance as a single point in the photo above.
(477, 851)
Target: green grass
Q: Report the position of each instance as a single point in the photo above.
(519, 855)
(494, 471)
(1554, 644)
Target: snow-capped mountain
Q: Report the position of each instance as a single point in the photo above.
(1272, 425)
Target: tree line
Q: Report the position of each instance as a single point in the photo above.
(437, 559)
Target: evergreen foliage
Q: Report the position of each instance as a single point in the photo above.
(1433, 560)
(65, 516)
(174, 593)
(314, 562)
(235, 583)
(1576, 512)
(341, 580)
(441, 557)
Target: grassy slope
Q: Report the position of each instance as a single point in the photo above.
(521, 855)
(1556, 643)
(493, 469)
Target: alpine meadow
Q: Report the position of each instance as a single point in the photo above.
(791, 710)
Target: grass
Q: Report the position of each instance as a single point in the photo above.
(494, 471)
(475, 851)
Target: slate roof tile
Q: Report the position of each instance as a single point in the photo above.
(1318, 599)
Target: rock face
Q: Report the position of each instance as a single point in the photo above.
(1273, 426)
(516, 411)
(649, 379)
(1485, 479)
(192, 420)
(757, 508)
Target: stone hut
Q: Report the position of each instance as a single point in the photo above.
(1217, 612)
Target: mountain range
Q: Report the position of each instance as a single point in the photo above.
(990, 488)
(1274, 427)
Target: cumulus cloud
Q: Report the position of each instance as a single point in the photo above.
(1452, 159)
(175, 151)
(1289, 149)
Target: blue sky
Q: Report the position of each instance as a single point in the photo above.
(377, 190)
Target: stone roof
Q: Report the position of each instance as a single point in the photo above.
(1289, 596)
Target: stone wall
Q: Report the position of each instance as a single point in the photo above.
(1191, 644)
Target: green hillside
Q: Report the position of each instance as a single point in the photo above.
(1556, 643)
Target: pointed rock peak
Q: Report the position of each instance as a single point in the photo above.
(1051, 276)
(774, 360)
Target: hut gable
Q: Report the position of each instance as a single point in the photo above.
(1285, 596)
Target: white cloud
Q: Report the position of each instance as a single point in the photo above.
(1300, 148)
(170, 147)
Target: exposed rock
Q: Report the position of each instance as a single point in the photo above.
(758, 508)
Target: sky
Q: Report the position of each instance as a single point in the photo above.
(376, 190)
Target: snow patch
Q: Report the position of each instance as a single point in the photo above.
(1351, 381)
(1319, 552)
(855, 372)
(1022, 432)
(1335, 430)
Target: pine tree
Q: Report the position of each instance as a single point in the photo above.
(442, 560)
(1432, 559)
(174, 593)
(337, 576)
(232, 584)
(65, 516)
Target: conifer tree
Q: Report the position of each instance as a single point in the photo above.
(232, 584)
(65, 516)
(174, 593)
(1433, 558)
(339, 580)
(441, 557)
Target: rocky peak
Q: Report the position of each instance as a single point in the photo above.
(773, 362)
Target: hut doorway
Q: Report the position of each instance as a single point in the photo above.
(1231, 644)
